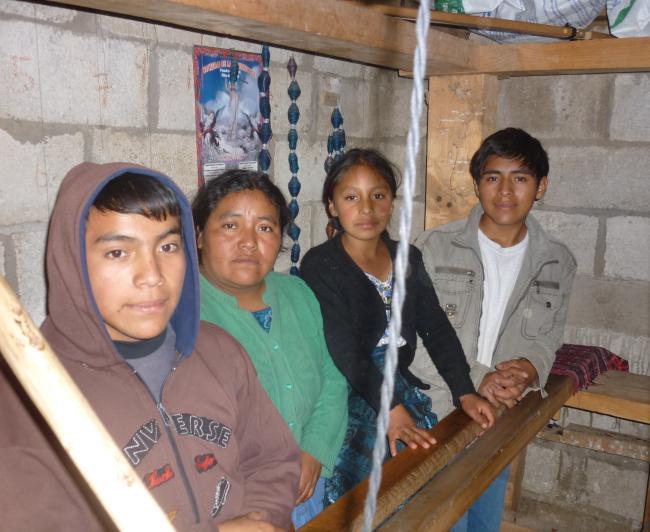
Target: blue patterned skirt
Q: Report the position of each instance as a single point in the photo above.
(354, 461)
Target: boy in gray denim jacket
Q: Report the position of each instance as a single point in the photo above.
(504, 285)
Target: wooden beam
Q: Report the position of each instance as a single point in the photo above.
(618, 394)
(401, 477)
(354, 32)
(438, 505)
(462, 112)
(599, 440)
(577, 57)
(336, 28)
(493, 24)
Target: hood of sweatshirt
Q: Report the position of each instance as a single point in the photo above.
(74, 326)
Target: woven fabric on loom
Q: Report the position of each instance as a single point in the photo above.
(583, 363)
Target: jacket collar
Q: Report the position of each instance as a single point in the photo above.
(540, 248)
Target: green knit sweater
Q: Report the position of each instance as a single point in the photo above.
(292, 361)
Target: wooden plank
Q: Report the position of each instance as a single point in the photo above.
(462, 112)
(354, 32)
(605, 441)
(646, 513)
(492, 23)
(401, 477)
(335, 28)
(438, 505)
(515, 478)
(577, 57)
(75, 424)
(618, 394)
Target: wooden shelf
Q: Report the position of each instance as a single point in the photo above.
(354, 32)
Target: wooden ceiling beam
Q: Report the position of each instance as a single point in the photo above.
(355, 32)
(576, 57)
(334, 28)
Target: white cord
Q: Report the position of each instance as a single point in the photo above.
(395, 326)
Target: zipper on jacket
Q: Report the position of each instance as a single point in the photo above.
(166, 421)
(453, 269)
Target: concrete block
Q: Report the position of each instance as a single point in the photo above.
(175, 156)
(241, 46)
(2, 258)
(395, 151)
(280, 57)
(542, 469)
(62, 152)
(579, 417)
(630, 116)
(346, 69)
(280, 102)
(74, 89)
(176, 88)
(616, 486)
(373, 72)
(37, 12)
(110, 145)
(599, 177)
(179, 37)
(23, 189)
(393, 108)
(357, 101)
(123, 83)
(29, 245)
(311, 173)
(568, 104)
(318, 224)
(283, 264)
(19, 82)
(121, 27)
(639, 430)
(12, 7)
(627, 253)
(610, 305)
(417, 220)
(578, 232)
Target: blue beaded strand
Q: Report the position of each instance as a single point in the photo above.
(336, 139)
(265, 132)
(293, 114)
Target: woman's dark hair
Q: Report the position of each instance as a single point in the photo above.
(142, 194)
(511, 143)
(210, 194)
(359, 157)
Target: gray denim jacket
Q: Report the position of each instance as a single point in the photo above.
(533, 323)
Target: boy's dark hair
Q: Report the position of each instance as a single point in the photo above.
(359, 157)
(138, 194)
(511, 143)
(217, 188)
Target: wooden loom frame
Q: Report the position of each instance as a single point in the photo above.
(463, 77)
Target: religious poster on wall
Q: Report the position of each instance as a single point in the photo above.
(227, 110)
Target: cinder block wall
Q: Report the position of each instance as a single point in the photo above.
(596, 129)
(78, 86)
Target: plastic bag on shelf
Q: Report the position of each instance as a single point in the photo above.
(629, 18)
(576, 13)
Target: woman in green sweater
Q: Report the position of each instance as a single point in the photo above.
(240, 218)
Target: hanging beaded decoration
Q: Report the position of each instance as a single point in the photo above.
(336, 139)
(335, 148)
(294, 184)
(265, 133)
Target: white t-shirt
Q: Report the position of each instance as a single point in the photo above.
(501, 267)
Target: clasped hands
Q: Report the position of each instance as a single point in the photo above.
(508, 382)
